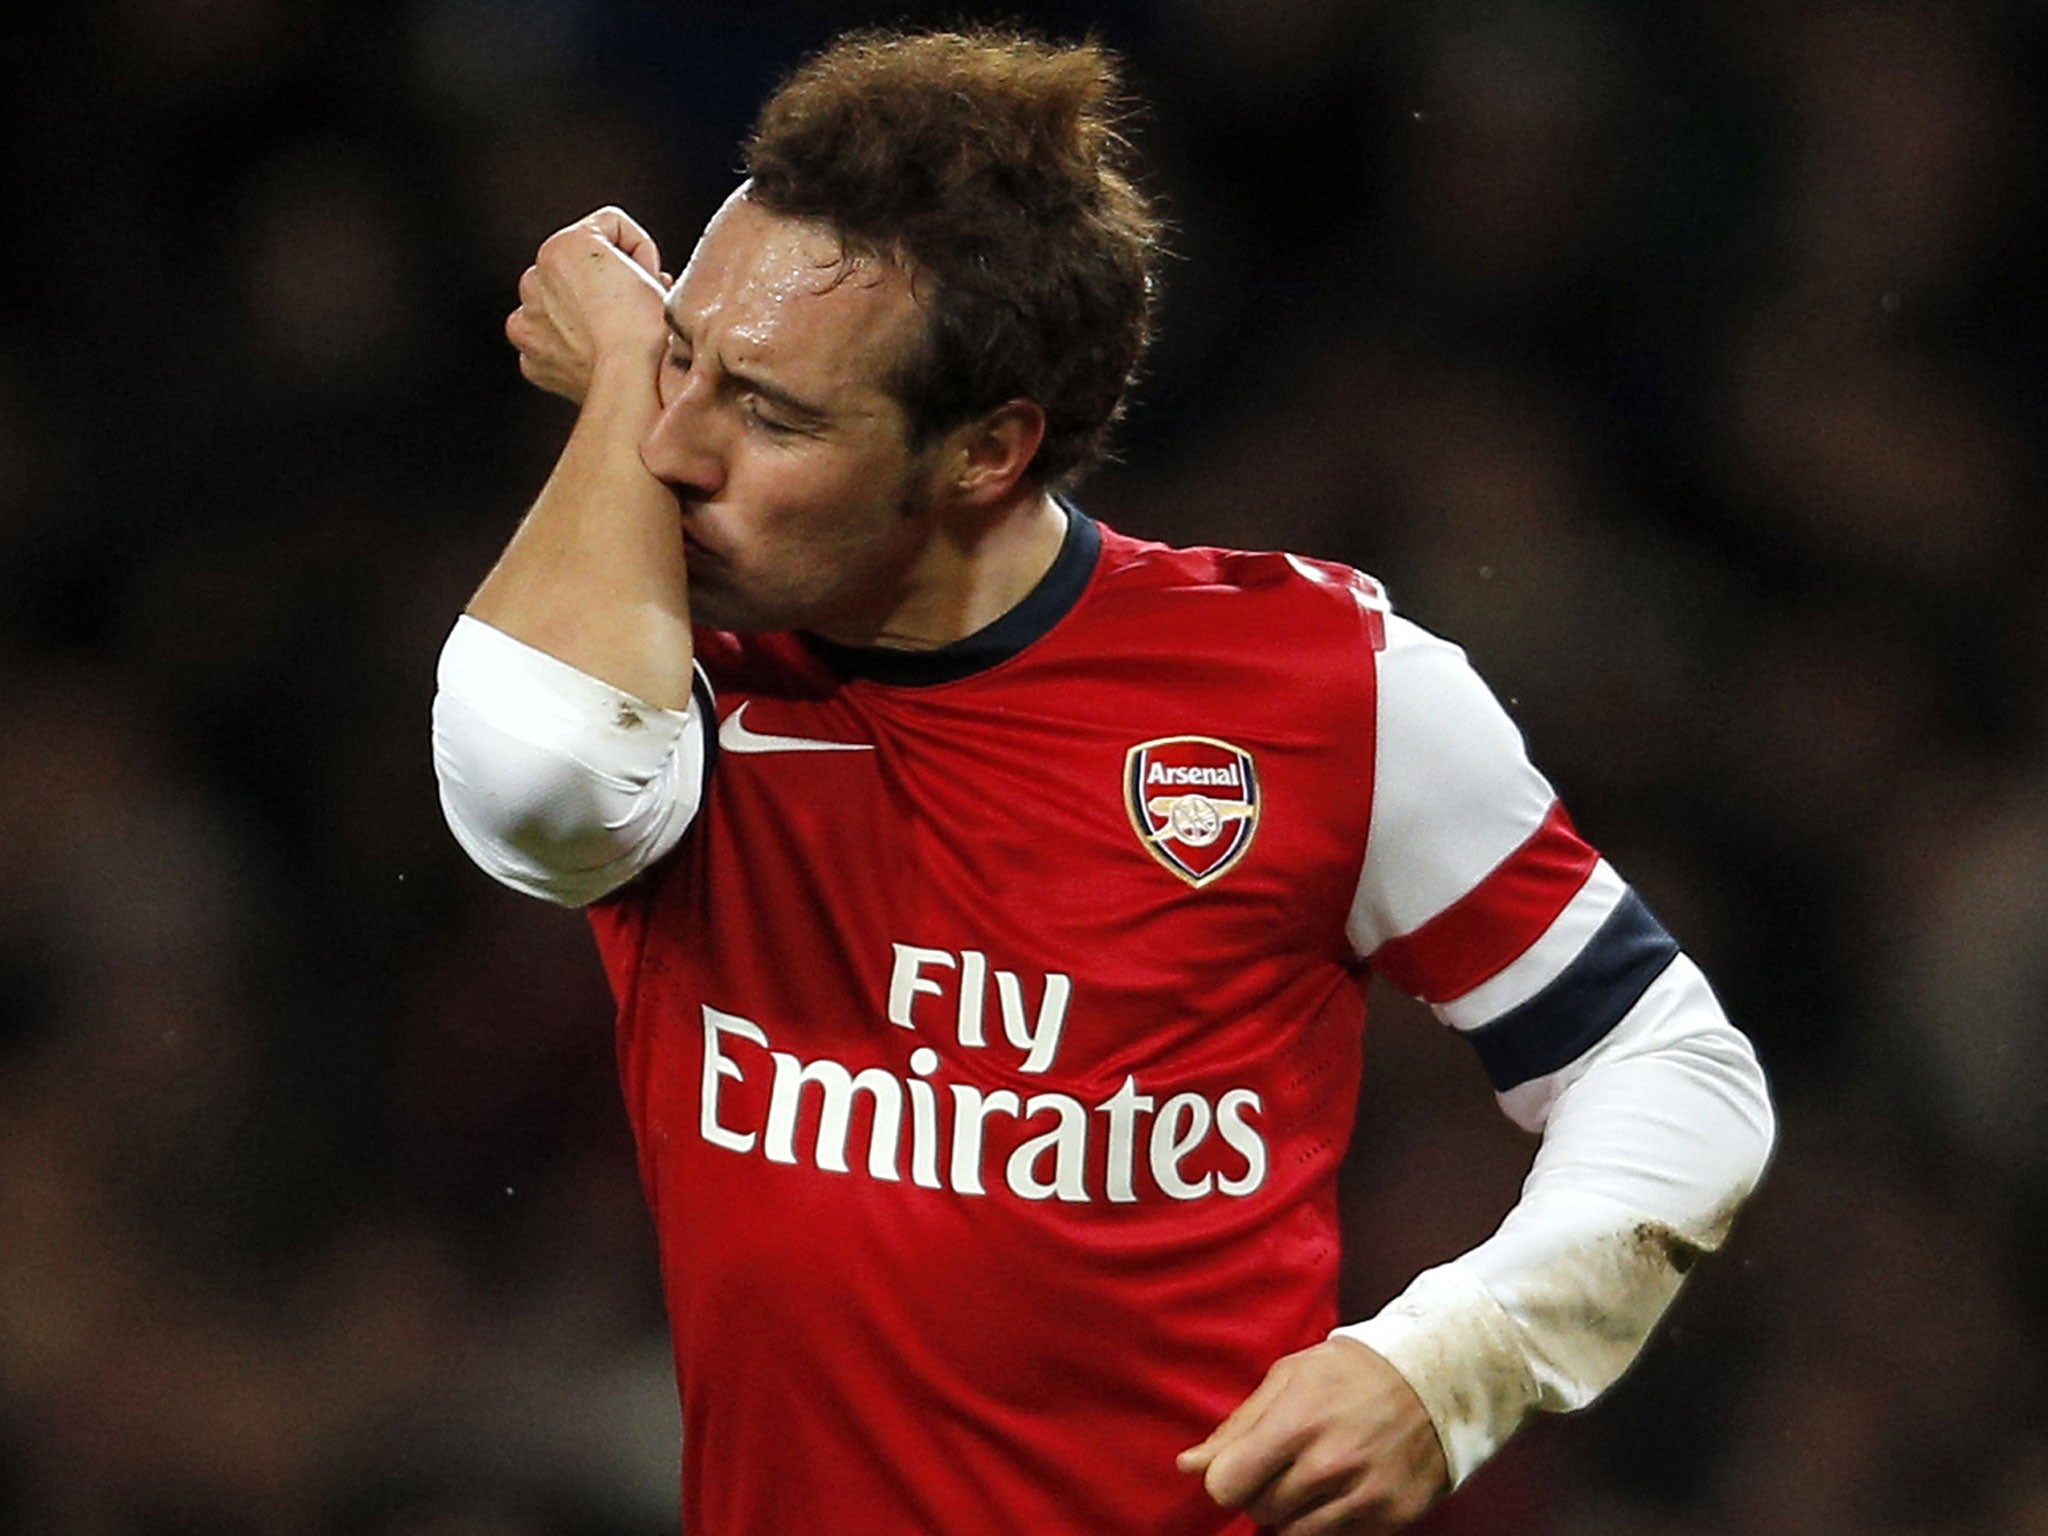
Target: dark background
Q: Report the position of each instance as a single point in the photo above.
(1684, 361)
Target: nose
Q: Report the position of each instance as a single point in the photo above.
(682, 447)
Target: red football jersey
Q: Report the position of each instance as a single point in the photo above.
(992, 1042)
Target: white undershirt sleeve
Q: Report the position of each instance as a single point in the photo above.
(556, 783)
(1651, 1140)
(1655, 1117)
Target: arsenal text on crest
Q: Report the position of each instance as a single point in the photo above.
(1194, 803)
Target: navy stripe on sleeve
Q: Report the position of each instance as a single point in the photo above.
(1589, 997)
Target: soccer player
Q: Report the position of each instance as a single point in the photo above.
(989, 896)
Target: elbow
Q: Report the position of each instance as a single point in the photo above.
(542, 823)
(1757, 1116)
(1734, 1097)
(1728, 1115)
(534, 850)
(543, 786)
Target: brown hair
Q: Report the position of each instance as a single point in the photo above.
(992, 166)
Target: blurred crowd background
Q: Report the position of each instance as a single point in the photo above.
(1684, 361)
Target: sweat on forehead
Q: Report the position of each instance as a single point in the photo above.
(781, 302)
(792, 256)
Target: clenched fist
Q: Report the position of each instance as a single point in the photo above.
(1333, 1441)
(593, 294)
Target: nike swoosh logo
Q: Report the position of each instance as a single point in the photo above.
(734, 736)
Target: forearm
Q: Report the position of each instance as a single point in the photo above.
(1651, 1142)
(595, 574)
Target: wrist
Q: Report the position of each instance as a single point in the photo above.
(627, 370)
(1463, 1356)
(619, 398)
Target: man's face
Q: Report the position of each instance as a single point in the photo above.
(802, 504)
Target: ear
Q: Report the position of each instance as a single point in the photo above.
(985, 459)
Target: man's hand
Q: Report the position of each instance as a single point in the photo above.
(594, 291)
(1334, 1440)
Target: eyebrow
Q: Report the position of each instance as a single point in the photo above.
(796, 405)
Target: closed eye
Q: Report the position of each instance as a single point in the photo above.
(773, 425)
(774, 410)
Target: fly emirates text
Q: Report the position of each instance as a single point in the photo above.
(1119, 1149)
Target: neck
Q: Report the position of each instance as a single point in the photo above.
(970, 573)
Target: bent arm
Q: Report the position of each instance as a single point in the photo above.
(595, 574)
(555, 783)
(1651, 1140)
(1479, 897)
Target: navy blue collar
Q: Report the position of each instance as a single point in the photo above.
(1043, 606)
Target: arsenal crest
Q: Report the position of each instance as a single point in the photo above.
(1194, 802)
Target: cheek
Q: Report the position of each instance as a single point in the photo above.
(838, 499)
(806, 502)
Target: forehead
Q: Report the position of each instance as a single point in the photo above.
(780, 293)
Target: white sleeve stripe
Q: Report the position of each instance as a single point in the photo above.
(1594, 993)
(1453, 796)
(1543, 961)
